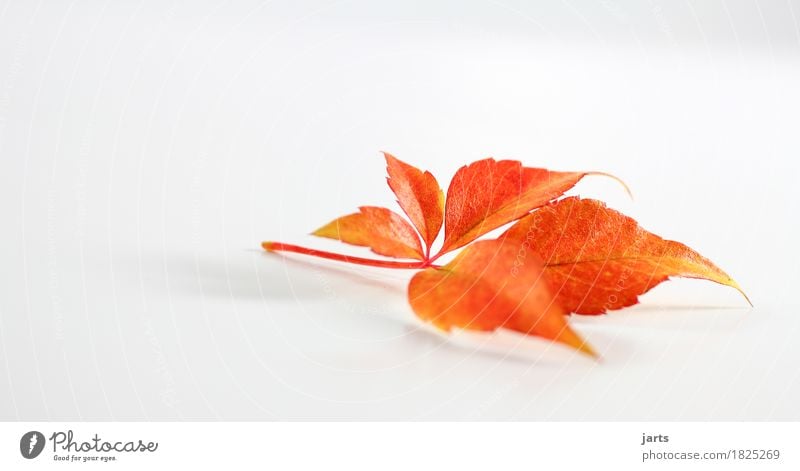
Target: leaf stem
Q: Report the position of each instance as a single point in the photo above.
(281, 247)
(429, 260)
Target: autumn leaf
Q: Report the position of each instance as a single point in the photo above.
(419, 195)
(380, 229)
(561, 256)
(485, 288)
(488, 194)
(597, 259)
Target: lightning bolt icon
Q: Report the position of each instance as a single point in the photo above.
(34, 439)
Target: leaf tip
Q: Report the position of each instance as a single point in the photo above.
(388, 157)
(570, 338)
(615, 178)
(726, 280)
(584, 347)
(330, 231)
(738, 288)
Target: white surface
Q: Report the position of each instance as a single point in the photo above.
(147, 148)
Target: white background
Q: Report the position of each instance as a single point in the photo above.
(147, 148)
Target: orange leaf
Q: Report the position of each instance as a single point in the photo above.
(488, 194)
(380, 229)
(487, 287)
(420, 196)
(598, 259)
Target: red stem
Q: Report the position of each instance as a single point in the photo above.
(281, 247)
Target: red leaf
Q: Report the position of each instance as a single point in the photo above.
(562, 256)
(380, 229)
(487, 287)
(419, 195)
(488, 194)
(598, 259)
